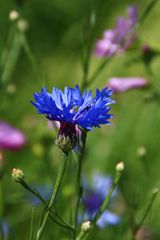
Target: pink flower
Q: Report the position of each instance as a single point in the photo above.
(11, 138)
(119, 38)
(122, 84)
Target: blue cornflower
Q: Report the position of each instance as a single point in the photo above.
(71, 107)
(93, 198)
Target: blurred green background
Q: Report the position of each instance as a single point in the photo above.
(54, 36)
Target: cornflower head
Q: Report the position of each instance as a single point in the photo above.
(73, 109)
(93, 197)
(10, 137)
(118, 39)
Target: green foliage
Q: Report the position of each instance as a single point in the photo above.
(49, 53)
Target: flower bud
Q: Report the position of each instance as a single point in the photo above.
(86, 226)
(120, 166)
(22, 25)
(141, 151)
(13, 15)
(17, 175)
(67, 137)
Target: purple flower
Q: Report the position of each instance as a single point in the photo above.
(122, 84)
(119, 38)
(11, 138)
(93, 198)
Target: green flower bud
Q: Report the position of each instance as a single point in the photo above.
(67, 137)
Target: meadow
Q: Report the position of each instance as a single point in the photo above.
(110, 187)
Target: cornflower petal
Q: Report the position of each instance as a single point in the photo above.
(108, 218)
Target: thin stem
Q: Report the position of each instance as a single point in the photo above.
(38, 195)
(12, 59)
(78, 182)
(30, 55)
(147, 10)
(87, 48)
(1, 198)
(1, 206)
(147, 209)
(106, 201)
(31, 231)
(33, 191)
(84, 235)
(61, 171)
(98, 71)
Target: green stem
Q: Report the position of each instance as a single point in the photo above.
(12, 59)
(87, 47)
(136, 227)
(147, 209)
(38, 195)
(61, 171)
(98, 71)
(31, 231)
(1, 199)
(84, 235)
(30, 55)
(147, 10)
(78, 182)
(1, 205)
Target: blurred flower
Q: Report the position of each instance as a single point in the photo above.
(71, 107)
(11, 138)
(122, 84)
(119, 38)
(93, 197)
(5, 229)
